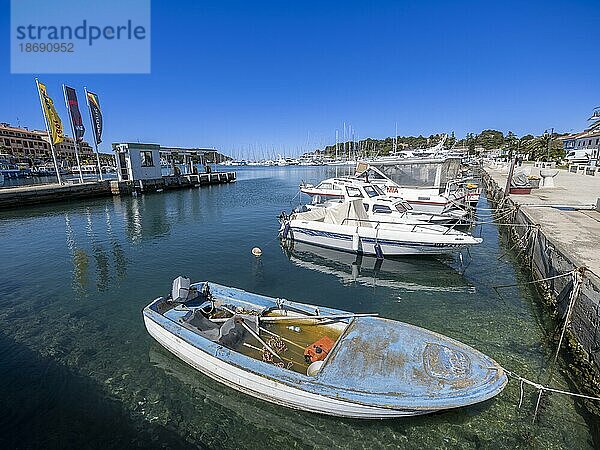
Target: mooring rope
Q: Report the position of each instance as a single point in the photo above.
(577, 276)
(528, 234)
(541, 389)
(566, 274)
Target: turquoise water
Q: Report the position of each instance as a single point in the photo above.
(79, 370)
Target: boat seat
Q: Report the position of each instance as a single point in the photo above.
(198, 323)
(230, 334)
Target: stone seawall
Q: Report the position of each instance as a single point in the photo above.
(547, 258)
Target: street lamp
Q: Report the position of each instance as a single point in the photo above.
(548, 143)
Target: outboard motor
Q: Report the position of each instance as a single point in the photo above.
(182, 291)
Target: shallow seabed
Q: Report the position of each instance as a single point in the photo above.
(77, 368)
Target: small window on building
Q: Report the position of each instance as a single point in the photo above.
(146, 159)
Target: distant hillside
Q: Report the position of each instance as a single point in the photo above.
(534, 146)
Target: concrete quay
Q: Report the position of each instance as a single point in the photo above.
(14, 197)
(46, 193)
(556, 231)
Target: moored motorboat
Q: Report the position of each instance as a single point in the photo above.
(319, 359)
(346, 226)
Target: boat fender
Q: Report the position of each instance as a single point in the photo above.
(378, 251)
(319, 350)
(355, 242)
(286, 230)
(314, 368)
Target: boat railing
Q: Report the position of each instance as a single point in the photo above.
(415, 226)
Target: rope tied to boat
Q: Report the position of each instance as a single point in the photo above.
(541, 389)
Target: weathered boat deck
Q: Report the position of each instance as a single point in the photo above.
(567, 239)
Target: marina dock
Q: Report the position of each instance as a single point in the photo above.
(12, 197)
(557, 231)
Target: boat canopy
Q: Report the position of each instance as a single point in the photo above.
(348, 213)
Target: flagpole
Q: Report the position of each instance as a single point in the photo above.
(74, 136)
(87, 102)
(37, 84)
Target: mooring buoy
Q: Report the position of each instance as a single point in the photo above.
(256, 251)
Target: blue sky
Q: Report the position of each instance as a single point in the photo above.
(240, 75)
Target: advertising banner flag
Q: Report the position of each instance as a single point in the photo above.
(76, 118)
(55, 126)
(96, 114)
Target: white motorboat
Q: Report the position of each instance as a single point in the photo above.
(379, 206)
(423, 199)
(346, 226)
(319, 359)
(88, 169)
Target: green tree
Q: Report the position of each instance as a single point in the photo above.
(470, 142)
(490, 139)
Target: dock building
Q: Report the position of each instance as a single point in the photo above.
(139, 161)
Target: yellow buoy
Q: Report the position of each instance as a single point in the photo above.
(256, 251)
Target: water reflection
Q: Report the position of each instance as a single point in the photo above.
(246, 409)
(408, 274)
(118, 254)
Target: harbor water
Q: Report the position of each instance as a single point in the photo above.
(78, 369)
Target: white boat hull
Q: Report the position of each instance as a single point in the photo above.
(364, 240)
(264, 388)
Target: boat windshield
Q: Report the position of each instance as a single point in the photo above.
(371, 191)
(353, 192)
(378, 189)
(382, 209)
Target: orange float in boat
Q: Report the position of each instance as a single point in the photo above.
(319, 350)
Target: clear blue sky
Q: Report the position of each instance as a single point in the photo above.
(230, 74)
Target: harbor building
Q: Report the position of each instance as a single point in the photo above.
(586, 144)
(25, 144)
(139, 161)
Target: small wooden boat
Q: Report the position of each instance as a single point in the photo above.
(316, 358)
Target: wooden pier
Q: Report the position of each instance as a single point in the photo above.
(14, 197)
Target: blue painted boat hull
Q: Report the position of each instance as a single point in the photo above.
(379, 368)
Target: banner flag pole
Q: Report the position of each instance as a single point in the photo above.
(37, 83)
(74, 136)
(87, 102)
